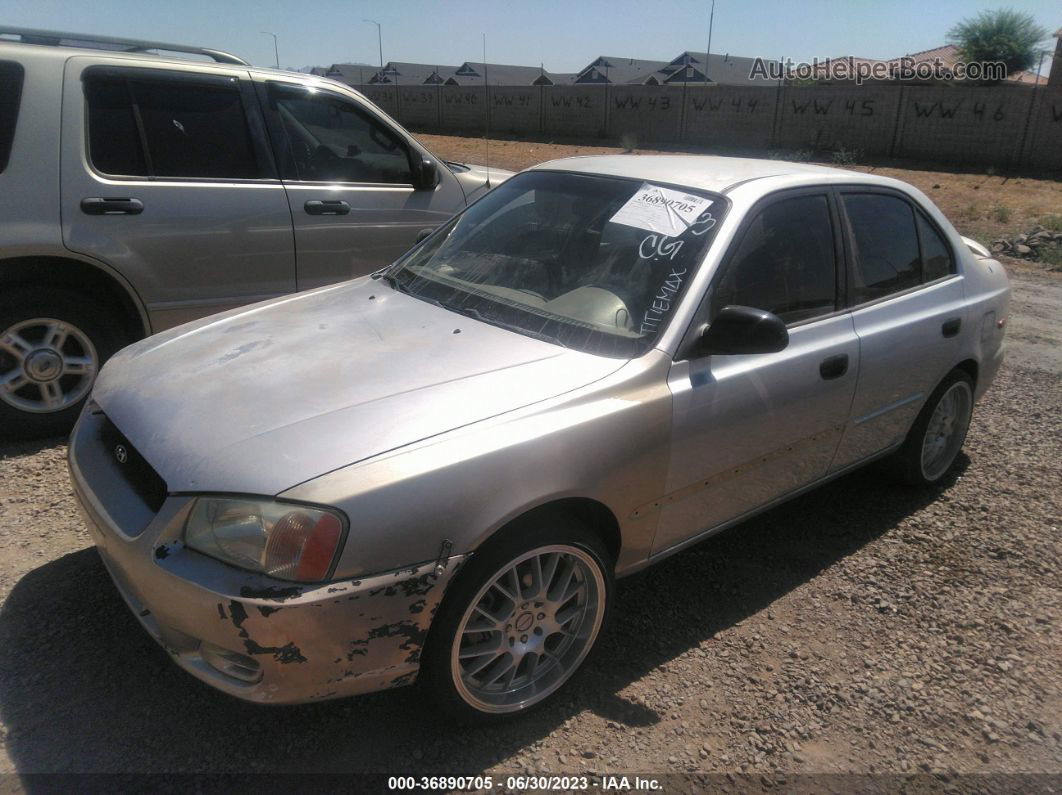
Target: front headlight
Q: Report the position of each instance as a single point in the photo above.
(282, 539)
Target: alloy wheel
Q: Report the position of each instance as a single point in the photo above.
(46, 365)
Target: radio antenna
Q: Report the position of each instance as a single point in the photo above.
(486, 112)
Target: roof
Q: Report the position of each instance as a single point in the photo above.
(406, 74)
(707, 172)
(613, 69)
(354, 73)
(470, 73)
(949, 55)
(725, 69)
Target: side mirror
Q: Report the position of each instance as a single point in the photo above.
(743, 329)
(424, 233)
(425, 173)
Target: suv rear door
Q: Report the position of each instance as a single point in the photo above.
(348, 174)
(167, 177)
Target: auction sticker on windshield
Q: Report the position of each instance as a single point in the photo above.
(662, 210)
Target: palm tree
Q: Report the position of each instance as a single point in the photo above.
(1004, 35)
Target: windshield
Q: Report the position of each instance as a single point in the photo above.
(591, 263)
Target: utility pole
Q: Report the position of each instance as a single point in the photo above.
(379, 39)
(276, 52)
(708, 52)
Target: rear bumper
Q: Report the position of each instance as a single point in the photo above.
(298, 643)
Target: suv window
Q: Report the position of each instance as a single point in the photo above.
(333, 140)
(10, 96)
(147, 127)
(785, 262)
(885, 245)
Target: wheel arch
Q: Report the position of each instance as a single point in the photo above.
(970, 367)
(103, 284)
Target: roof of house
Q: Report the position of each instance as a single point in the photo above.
(471, 73)
(612, 69)
(725, 69)
(354, 73)
(405, 73)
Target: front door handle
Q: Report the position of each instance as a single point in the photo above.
(316, 207)
(834, 366)
(951, 327)
(97, 205)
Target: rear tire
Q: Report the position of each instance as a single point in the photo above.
(52, 344)
(523, 617)
(934, 441)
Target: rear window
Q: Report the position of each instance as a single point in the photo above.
(146, 127)
(10, 96)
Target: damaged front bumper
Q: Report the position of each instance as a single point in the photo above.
(252, 636)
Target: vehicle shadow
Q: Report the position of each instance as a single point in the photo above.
(84, 689)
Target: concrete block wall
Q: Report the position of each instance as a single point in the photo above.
(1006, 126)
(832, 117)
(730, 116)
(981, 125)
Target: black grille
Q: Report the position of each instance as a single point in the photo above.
(138, 473)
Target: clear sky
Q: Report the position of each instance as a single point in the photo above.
(563, 34)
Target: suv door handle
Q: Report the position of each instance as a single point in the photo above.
(316, 207)
(834, 366)
(96, 205)
(951, 327)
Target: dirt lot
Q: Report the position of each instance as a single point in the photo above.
(864, 628)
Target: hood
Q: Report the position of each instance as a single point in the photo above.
(473, 179)
(261, 399)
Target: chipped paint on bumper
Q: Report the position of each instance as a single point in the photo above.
(312, 642)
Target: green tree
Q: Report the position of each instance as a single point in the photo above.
(1004, 35)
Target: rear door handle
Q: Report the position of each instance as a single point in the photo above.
(97, 205)
(834, 366)
(316, 207)
(951, 327)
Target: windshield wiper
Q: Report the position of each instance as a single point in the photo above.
(394, 282)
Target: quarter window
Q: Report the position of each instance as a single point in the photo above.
(146, 127)
(936, 257)
(10, 95)
(885, 245)
(785, 262)
(333, 140)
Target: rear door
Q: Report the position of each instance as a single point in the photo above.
(908, 309)
(167, 177)
(348, 174)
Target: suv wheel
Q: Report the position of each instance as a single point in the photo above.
(51, 348)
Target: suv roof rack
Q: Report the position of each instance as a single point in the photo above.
(56, 38)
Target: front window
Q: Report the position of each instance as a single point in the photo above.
(593, 263)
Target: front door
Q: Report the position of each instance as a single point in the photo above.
(167, 177)
(348, 174)
(751, 428)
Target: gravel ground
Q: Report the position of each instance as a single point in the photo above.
(862, 628)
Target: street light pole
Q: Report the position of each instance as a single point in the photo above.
(276, 52)
(379, 39)
(708, 52)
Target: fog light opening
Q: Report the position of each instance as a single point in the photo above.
(231, 663)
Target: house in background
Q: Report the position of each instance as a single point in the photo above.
(411, 74)
(610, 69)
(351, 73)
(1054, 77)
(687, 67)
(472, 73)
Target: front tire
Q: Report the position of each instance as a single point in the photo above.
(938, 433)
(52, 345)
(523, 617)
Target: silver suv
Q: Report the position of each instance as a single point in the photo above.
(139, 191)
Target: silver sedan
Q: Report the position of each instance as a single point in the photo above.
(436, 473)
